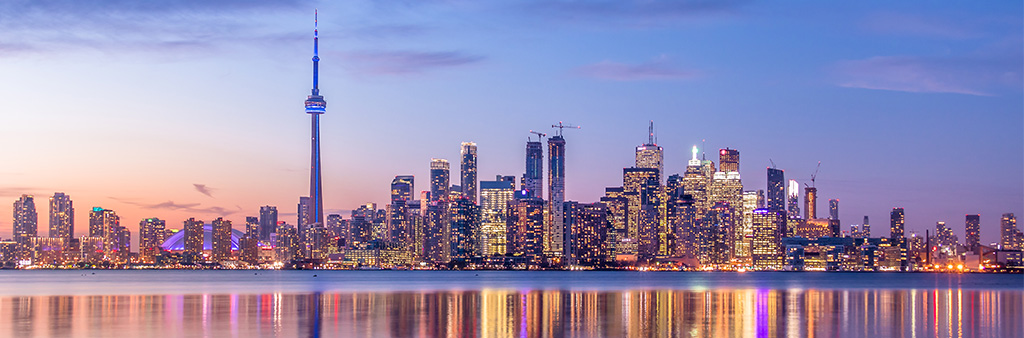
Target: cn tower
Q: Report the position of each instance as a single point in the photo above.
(315, 105)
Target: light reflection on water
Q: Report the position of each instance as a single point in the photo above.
(526, 313)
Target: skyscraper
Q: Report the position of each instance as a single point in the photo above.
(1010, 237)
(315, 106)
(554, 234)
(525, 230)
(305, 221)
(533, 181)
(152, 233)
(896, 220)
(26, 222)
(695, 183)
(194, 233)
(833, 209)
(589, 232)
(468, 170)
(268, 222)
(62, 217)
(810, 203)
(866, 228)
(399, 229)
(972, 231)
(769, 227)
(794, 199)
(776, 190)
(221, 241)
(729, 160)
(439, 179)
(465, 229)
(651, 155)
(494, 198)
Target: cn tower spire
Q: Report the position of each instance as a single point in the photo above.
(315, 106)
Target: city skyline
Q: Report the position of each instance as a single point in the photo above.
(199, 178)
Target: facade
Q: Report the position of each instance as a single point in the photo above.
(221, 239)
(810, 202)
(468, 179)
(26, 221)
(776, 190)
(729, 160)
(972, 232)
(793, 192)
(193, 237)
(62, 217)
(769, 227)
(525, 230)
(554, 227)
(494, 198)
(152, 233)
(533, 179)
(268, 222)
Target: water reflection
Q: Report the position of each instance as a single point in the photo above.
(527, 313)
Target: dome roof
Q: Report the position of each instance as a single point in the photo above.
(177, 241)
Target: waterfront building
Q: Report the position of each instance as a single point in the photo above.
(468, 179)
(193, 237)
(494, 198)
(589, 230)
(769, 227)
(361, 224)
(1010, 237)
(62, 217)
(793, 192)
(152, 234)
(776, 190)
(268, 222)
(554, 234)
(26, 223)
(525, 230)
(946, 243)
(896, 234)
(465, 229)
(221, 237)
(248, 245)
(972, 232)
(533, 179)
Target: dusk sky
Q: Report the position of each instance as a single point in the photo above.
(194, 108)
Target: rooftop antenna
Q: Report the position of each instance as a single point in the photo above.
(703, 146)
(650, 133)
(561, 126)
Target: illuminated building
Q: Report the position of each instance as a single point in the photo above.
(810, 202)
(525, 229)
(47, 250)
(319, 243)
(685, 226)
(62, 217)
(650, 155)
(361, 224)
(972, 232)
(729, 160)
(152, 233)
(315, 106)
(793, 190)
(533, 181)
(436, 247)
(494, 198)
(193, 237)
(647, 240)
(119, 241)
(468, 170)
(618, 216)
(865, 229)
(769, 227)
(465, 229)
(745, 230)
(727, 187)
(285, 242)
(439, 179)
(221, 237)
(380, 254)
(812, 228)
(896, 221)
(1010, 237)
(715, 241)
(248, 244)
(554, 234)
(695, 182)
(589, 231)
(399, 227)
(305, 221)
(26, 222)
(833, 209)
(945, 241)
(776, 190)
(268, 222)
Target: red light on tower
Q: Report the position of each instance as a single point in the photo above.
(723, 151)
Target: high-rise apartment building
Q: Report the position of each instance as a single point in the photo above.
(1010, 237)
(26, 221)
(793, 190)
(972, 232)
(468, 179)
(439, 179)
(436, 234)
(525, 230)
(152, 233)
(554, 233)
(194, 234)
(833, 209)
(533, 179)
(729, 160)
(767, 250)
(810, 203)
(399, 228)
(221, 241)
(268, 222)
(776, 189)
(62, 217)
(896, 234)
(494, 199)
(465, 229)
(744, 234)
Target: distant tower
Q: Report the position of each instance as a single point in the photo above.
(315, 106)
(194, 234)
(62, 217)
(26, 220)
(794, 199)
(439, 179)
(729, 160)
(152, 233)
(1010, 237)
(650, 155)
(972, 230)
(533, 182)
(810, 203)
(833, 209)
(776, 189)
(399, 229)
(866, 228)
(468, 180)
(221, 241)
(268, 222)
(556, 194)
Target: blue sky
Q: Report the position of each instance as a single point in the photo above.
(128, 105)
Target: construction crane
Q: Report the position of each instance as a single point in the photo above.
(773, 163)
(561, 126)
(814, 175)
(540, 136)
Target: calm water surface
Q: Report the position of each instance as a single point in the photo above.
(102, 303)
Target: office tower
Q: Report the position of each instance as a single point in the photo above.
(525, 230)
(618, 216)
(494, 198)
(729, 160)
(62, 217)
(221, 241)
(776, 189)
(361, 225)
(152, 233)
(589, 230)
(896, 220)
(810, 203)
(752, 200)
(439, 182)
(833, 209)
(639, 188)
(1010, 237)
(727, 187)
(647, 240)
(465, 229)
(285, 242)
(315, 106)
(865, 229)
(767, 250)
(533, 181)
(399, 230)
(972, 232)
(252, 227)
(468, 170)
(248, 245)
(268, 222)
(554, 232)
(194, 233)
(304, 214)
(436, 230)
(695, 183)
(402, 187)
(26, 221)
(650, 155)
(119, 244)
(715, 237)
(319, 242)
(684, 223)
(336, 226)
(794, 199)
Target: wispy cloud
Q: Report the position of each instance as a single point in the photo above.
(964, 75)
(18, 191)
(203, 189)
(174, 206)
(660, 68)
(407, 62)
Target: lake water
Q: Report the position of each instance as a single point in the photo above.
(106, 303)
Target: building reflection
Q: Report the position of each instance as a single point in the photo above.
(528, 313)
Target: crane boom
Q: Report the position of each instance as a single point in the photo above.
(561, 126)
(540, 135)
(815, 175)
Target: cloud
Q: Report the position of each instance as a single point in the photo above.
(657, 69)
(18, 191)
(407, 62)
(189, 207)
(203, 189)
(641, 12)
(970, 75)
